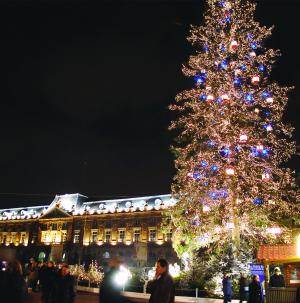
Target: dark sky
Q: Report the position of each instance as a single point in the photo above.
(86, 86)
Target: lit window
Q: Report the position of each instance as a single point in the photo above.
(169, 235)
(22, 237)
(152, 234)
(13, 237)
(107, 235)
(121, 235)
(76, 236)
(4, 237)
(137, 235)
(94, 236)
(54, 236)
(64, 236)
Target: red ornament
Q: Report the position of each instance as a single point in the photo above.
(233, 45)
(225, 98)
(243, 138)
(255, 80)
(210, 98)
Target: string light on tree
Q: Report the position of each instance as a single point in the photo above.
(230, 171)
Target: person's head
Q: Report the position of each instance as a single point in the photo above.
(161, 267)
(255, 278)
(243, 275)
(277, 271)
(114, 262)
(65, 270)
(225, 275)
(14, 267)
(50, 264)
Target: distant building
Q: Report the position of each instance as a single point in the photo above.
(76, 230)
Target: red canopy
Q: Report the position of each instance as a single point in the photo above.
(277, 253)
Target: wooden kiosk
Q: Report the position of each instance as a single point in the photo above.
(287, 259)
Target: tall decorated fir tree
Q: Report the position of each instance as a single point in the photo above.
(232, 188)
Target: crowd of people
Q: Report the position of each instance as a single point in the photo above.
(54, 282)
(57, 285)
(251, 292)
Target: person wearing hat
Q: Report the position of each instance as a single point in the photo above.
(277, 279)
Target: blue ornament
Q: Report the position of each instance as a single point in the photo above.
(205, 48)
(257, 201)
(214, 167)
(267, 113)
(253, 45)
(265, 152)
(249, 36)
(244, 67)
(228, 19)
(261, 68)
(224, 64)
(266, 94)
(237, 82)
(203, 163)
(225, 152)
(219, 100)
(205, 183)
(213, 195)
(223, 49)
(222, 113)
(197, 176)
(203, 98)
(249, 98)
(211, 143)
(221, 3)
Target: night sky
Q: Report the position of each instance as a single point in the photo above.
(85, 89)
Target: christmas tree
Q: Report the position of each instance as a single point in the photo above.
(232, 187)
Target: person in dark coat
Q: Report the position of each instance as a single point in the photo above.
(162, 288)
(227, 288)
(277, 279)
(255, 291)
(65, 286)
(298, 295)
(110, 289)
(243, 288)
(15, 284)
(48, 277)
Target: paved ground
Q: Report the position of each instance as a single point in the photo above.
(80, 298)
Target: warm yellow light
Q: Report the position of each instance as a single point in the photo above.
(298, 245)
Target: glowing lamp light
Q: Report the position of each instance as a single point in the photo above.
(269, 100)
(275, 230)
(265, 176)
(122, 276)
(255, 80)
(269, 127)
(230, 171)
(233, 45)
(243, 138)
(210, 98)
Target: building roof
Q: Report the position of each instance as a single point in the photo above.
(77, 204)
(272, 253)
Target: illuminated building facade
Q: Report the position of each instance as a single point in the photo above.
(76, 230)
